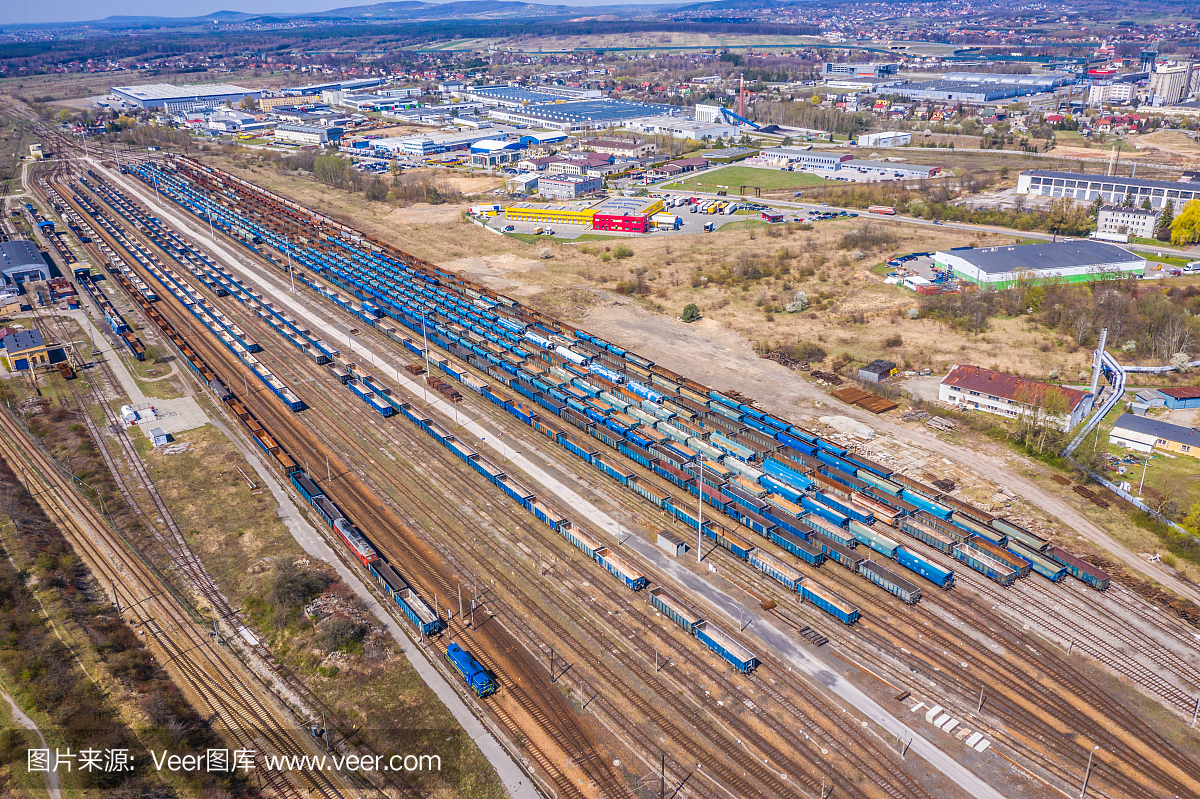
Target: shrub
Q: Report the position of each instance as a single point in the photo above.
(866, 237)
(621, 251)
(804, 351)
(545, 253)
(340, 633)
(892, 342)
(691, 312)
(799, 302)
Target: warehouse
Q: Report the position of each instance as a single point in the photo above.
(495, 152)
(805, 159)
(306, 134)
(1145, 434)
(567, 187)
(184, 97)
(1186, 398)
(21, 262)
(1011, 396)
(1068, 261)
(678, 128)
(580, 115)
(561, 214)
(892, 169)
(1110, 189)
(625, 214)
(968, 92)
(434, 143)
(891, 139)
(24, 349)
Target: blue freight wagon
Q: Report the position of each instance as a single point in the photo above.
(943, 578)
(980, 562)
(727, 539)
(844, 508)
(1079, 569)
(307, 488)
(621, 569)
(829, 602)
(923, 502)
(798, 547)
(419, 612)
(780, 572)
(718, 641)
(470, 670)
(387, 578)
(824, 509)
(674, 610)
(838, 553)
(1052, 570)
(873, 539)
(1020, 533)
(890, 581)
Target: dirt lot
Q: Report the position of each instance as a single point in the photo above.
(1171, 142)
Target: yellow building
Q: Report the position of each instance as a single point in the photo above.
(561, 214)
(24, 349)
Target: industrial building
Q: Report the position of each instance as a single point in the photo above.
(1118, 220)
(353, 84)
(1068, 261)
(890, 139)
(542, 138)
(678, 128)
(581, 115)
(1174, 82)
(307, 134)
(859, 70)
(892, 169)
(962, 91)
(1183, 398)
(807, 159)
(25, 349)
(560, 214)
(21, 262)
(625, 214)
(621, 148)
(1011, 396)
(1145, 434)
(567, 187)
(1110, 189)
(433, 143)
(185, 97)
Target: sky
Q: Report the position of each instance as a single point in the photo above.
(23, 11)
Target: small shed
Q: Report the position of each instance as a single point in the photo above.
(671, 543)
(1181, 399)
(877, 371)
(158, 438)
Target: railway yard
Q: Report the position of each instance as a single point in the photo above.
(504, 480)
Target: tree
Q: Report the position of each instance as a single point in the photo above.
(1146, 204)
(1096, 206)
(249, 104)
(691, 312)
(1163, 232)
(1185, 228)
(1128, 201)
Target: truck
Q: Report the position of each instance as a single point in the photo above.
(537, 231)
(709, 227)
(887, 210)
(667, 221)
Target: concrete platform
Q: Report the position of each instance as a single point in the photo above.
(172, 415)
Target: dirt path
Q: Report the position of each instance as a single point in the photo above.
(50, 777)
(724, 360)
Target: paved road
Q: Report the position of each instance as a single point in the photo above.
(515, 781)
(780, 642)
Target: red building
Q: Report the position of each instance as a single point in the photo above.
(625, 214)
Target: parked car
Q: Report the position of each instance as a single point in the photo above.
(509, 228)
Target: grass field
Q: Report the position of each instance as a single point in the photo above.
(731, 177)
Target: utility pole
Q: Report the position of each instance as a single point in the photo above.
(460, 613)
(980, 707)
(700, 510)
(1087, 774)
(288, 248)
(328, 471)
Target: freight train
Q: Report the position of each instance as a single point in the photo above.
(770, 476)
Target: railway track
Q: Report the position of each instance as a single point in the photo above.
(182, 559)
(363, 453)
(213, 680)
(814, 786)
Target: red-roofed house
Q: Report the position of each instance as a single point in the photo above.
(1011, 396)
